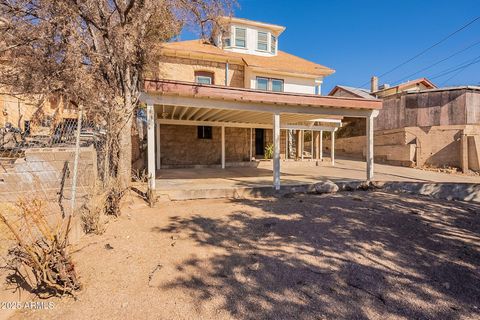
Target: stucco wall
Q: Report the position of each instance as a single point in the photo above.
(291, 84)
(182, 69)
(435, 108)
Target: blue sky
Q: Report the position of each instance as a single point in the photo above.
(363, 38)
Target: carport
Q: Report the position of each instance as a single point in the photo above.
(185, 103)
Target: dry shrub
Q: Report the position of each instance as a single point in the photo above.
(40, 262)
(93, 213)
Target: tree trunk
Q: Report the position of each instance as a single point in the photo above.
(125, 154)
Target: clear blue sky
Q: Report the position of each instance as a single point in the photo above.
(363, 38)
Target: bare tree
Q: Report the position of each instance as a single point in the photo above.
(94, 53)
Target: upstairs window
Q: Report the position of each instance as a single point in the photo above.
(262, 41)
(262, 84)
(268, 84)
(273, 44)
(203, 77)
(277, 85)
(240, 37)
(226, 42)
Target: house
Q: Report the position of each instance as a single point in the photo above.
(419, 125)
(224, 102)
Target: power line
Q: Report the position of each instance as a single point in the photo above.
(427, 49)
(437, 63)
(461, 67)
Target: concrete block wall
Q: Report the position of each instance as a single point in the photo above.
(40, 172)
(436, 146)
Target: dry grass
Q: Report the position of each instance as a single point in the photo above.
(40, 262)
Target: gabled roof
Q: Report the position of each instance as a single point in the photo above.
(358, 92)
(282, 62)
(412, 83)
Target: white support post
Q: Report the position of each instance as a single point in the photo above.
(370, 148)
(251, 142)
(151, 146)
(286, 144)
(321, 145)
(333, 148)
(223, 147)
(302, 139)
(276, 151)
(157, 140)
(311, 145)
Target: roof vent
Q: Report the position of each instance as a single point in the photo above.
(384, 86)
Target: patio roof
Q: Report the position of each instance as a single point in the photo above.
(186, 103)
(182, 101)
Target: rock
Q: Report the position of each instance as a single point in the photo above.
(326, 187)
(255, 266)
(108, 246)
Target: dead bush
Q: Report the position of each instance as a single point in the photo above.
(40, 260)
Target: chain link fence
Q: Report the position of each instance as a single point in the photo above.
(55, 163)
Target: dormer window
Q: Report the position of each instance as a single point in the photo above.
(262, 41)
(240, 37)
(273, 44)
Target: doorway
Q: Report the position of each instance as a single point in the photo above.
(260, 142)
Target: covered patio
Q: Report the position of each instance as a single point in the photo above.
(188, 104)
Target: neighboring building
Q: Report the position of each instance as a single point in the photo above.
(218, 103)
(420, 125)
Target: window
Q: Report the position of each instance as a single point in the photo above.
(204, 132)
(273, 44)
(277, 85)
(262, 41)
(240, 37)
(203, 77)
(226, 42)
(262, 84)
(267, 84)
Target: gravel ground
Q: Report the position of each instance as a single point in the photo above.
(363, 255)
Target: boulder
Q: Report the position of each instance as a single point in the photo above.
(326, 187)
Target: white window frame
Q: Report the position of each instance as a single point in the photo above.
(273, 48)
(269, 83)
(264, 78)
(203, 77)
(267, 36)
(245, 38)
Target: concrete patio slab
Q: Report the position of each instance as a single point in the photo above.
(209, 183)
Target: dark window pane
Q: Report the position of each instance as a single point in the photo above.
(204, 132)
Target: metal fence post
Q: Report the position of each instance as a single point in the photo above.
(77, 155)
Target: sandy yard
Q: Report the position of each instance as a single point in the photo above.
(346, 256)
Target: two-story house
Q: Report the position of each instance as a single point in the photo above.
(225, 101)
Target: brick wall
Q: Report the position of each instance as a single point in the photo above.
(181, 147)
(183, 69)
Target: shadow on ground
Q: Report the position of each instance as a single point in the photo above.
(352, 255)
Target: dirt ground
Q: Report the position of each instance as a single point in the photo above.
(346, 256)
